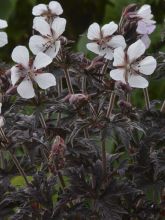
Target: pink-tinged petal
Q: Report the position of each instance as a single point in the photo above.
(146, 40)
(94, 32)
(137, 81)
(15, 75)
(45, 80)
(119, 57)
(3, 39)
(55, 8)
(109, 29)
(40, 25)
(53, 50)
(37, 44)
(148, 65)
(39, 9)
(136, 50)
(58, 26)
(117, 41)
(20, 55)
(25, 89)
(41, 60)
(145, 27)
(145, 12)
(118, 74)
(3, 24)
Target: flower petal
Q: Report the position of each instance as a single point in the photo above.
(41, 60)
(137, 81)
(55, 8)
(117, 41)
(94, 47)
(53, 50)
(146, 40)
(119, 57)
(145, 27)
(3, 24)
(109, 29)
(145, 12)
(39, 9)
(136, 50)
(58, 26)
(25, 89)
(36, 44)
(40, 25)
(3, 39)
(148, 65)
(45, 80)
(94, 32)
(20, 55)
(118, 74)
(15, 75)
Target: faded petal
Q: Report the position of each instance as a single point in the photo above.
(94, 32)
(55, 8)
(41, 60)
(117, 41)
(40, 25)
(36, 44)
(15, 75)
(148, 65)
(3, 39)
(45, 80)
(109, 29)
(20, 55)
(119, 57)
(58, 26)
(137, 81)
(25, 89)
(3, 24)
(118, 74)
(136, 50)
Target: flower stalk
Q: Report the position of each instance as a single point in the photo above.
(111, 104)
(68, 81)
(163, 107)
(147, 99)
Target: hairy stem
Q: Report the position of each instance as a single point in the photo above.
(147, 99)
(163, 107)
(111, 104)
(68, 81)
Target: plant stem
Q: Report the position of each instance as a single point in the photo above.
(84, 81)
(104, 69)
(147, 99)
(104, 162)
(68, 81)
(42, 120)
(61, 179)
(163, 107)
(111, 104)
(59, 88)
(129, 98)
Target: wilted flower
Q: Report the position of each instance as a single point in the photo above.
(129, 66)
(52, 9)
(3, 35)
(103, 41)
(48, 42)
(26, 71)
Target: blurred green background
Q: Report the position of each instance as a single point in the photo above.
(80, 14)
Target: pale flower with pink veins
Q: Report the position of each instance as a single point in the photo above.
(129, 65)
(103, 41)
(26, 72)
(3, 35)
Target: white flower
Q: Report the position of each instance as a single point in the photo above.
(26, 71)
(3, 35)
(103, 43)
(48, 42)
(129, 66)
(52, 9)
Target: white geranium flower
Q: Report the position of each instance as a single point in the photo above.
(52, 9)
(48, 42)
(26, 71)
(129, 66)
(3, 35)
(103, 43)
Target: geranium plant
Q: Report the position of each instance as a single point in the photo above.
(73, 143)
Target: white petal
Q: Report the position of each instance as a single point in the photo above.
(20, 55)
(137, 81)
(15, 75)
(53, 50)
(94, 47)
(58, 26)
(3, 39)
(41, 60)
(45, 80)
(94, 32)
(55, 8)
(117, 41)
(36, 44)
(146, 40)
(145, 12)
(39, 9)
(109, 29)
(118, 74)
(3, 24)
(148, 65)
(136, 50)
(0, 107)
(40, 25)
(119, 57)
(2, 122)
(25, 89)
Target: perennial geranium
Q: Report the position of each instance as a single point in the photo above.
(130, 66)
(27, 71)
(103, 39)
(48, 42)
(3, 35)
